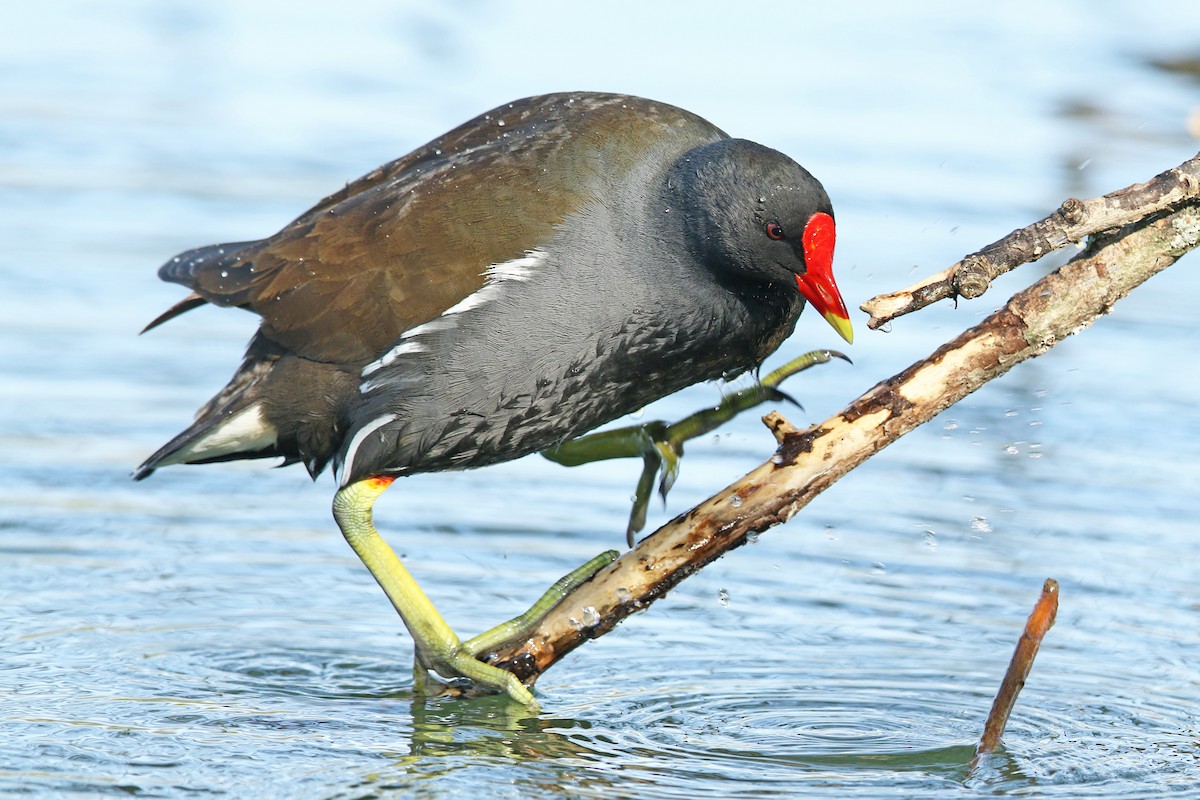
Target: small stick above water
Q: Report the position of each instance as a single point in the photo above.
(1074, 221)
(1039, 622)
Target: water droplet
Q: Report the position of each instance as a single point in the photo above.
(723, 597)
(623, 594)
(437, 151)
(885, 327)
(500, 123)
(777, 459)
(752, 537)
(951, 425)
(1012, 412)
(574, 623)
(931, 539)
(591, 617)
(981, 525)
(735, 501)
(879, 568)
(224, 273)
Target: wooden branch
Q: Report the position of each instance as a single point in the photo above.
(807, 462)
(1072, 222)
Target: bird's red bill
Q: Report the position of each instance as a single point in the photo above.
(817, 283)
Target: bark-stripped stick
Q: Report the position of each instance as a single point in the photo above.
(1018, 668)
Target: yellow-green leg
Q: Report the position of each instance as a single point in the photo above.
(437, 646)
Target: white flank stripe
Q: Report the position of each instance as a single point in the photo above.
(517, 269)
(360, 437)
(392, 355)
(433, 326)
(473, 300)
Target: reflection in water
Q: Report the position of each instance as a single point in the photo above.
(587, 759)
(495, 735)
(885, 730)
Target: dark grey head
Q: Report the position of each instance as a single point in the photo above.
(753, 214)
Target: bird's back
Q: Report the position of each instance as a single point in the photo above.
(340, 286)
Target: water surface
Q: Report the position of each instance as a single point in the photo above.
(208, 632)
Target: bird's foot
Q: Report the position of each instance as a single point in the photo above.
(454, 659)
(438, 648)
(660, 445)
(456, 662)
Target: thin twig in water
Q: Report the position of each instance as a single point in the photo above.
(1038, 623)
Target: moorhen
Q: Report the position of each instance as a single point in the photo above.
(538, 271)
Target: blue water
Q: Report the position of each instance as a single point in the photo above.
(208, 632)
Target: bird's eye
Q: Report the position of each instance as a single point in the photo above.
(774, 230)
